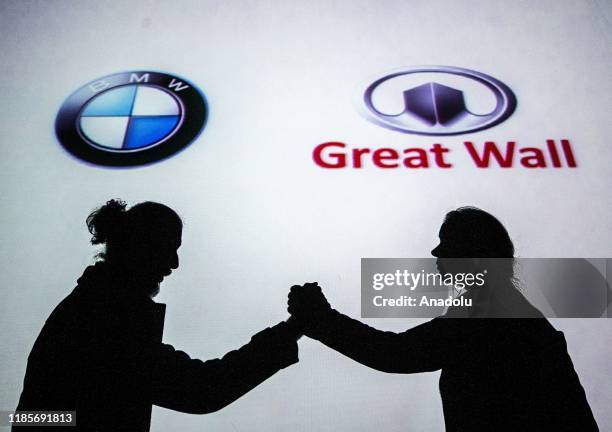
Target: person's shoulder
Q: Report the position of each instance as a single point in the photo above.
(511, 327)
(66, 308)
(79, 309)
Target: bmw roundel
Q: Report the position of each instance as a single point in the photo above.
(131, 118)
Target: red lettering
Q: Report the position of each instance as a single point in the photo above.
(438, 150)
(357, 153)
(490, 149)
(569, 154)
(418, 161)
(338, 160)
(381, 155)
(554, 155)
(535, 160)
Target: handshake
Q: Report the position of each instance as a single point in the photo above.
(306, 303)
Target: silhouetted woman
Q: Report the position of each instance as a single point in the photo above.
(100, 353)
(502, 374)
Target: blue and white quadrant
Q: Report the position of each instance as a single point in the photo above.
(130, 117)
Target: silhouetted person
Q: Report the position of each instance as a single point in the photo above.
(100, 353)
(502, 374)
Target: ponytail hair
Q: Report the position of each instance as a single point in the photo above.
(105, 222)
(126, 233)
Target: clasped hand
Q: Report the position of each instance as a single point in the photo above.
(306, 302)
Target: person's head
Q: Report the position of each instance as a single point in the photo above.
(141, 241)
(470, 232)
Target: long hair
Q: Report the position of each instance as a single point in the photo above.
(478, 235)
(120, 230)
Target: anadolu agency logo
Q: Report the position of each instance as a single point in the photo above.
(441, 101)
(131, 118)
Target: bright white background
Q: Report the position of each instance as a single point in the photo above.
(281, 77)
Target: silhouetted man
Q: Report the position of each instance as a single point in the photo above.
(498, 374)
(100, 353)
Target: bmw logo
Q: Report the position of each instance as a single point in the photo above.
(131, 118)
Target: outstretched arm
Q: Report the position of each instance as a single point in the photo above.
(193, 386)
(424, 348)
